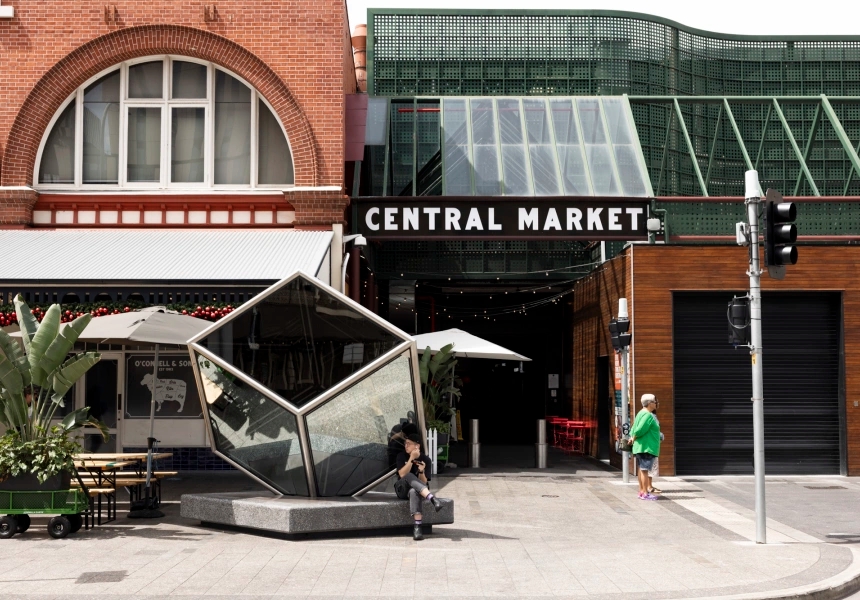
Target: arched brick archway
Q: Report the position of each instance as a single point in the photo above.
(103, 52)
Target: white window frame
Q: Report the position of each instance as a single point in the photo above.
(166, 103)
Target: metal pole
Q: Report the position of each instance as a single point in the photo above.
(540, 446)
(474, 445)
(625, 401)
(753, 201)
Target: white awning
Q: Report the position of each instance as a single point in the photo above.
(162, 254)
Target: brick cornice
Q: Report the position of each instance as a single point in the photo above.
(105, 51)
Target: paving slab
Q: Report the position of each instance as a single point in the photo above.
(570, 532)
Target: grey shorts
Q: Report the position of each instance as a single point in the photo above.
(645, 461)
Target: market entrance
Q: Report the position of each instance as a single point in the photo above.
(507, 397)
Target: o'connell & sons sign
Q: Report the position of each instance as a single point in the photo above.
(503, 218)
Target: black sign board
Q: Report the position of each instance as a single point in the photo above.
(177, 389)
(503, 218)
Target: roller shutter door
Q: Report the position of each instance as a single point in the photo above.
(801, 337)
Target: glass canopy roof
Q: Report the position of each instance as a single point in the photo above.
(505, 146)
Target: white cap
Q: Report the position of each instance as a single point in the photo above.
(622, 308)
(751, 185)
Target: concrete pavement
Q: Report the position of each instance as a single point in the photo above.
(574, 531)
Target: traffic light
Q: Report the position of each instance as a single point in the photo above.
(780, 233)
(618, 329)
(739, 322)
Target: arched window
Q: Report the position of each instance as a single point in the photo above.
(165, 122)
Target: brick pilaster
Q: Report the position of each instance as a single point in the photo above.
(16, 206)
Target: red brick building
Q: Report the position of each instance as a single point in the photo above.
(156, 129)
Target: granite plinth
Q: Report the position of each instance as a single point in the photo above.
(292, 515)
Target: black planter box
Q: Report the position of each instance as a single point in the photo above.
(29, 483)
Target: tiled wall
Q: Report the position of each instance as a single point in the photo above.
(187, 459)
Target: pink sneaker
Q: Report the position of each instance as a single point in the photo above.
(647, 497)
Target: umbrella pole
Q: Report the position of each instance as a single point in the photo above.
(149, 511)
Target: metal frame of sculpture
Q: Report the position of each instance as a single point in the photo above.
(318, 430)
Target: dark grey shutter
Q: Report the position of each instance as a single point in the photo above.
(713, 385)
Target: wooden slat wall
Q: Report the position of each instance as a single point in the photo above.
(660, 270)
(595, 303)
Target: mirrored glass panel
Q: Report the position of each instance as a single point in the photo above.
(516, 177)
(101, 130)
(300, 340)
(58, 156)
(275, 161)
(564, 122)
(350, 433)
(144, 144)
(252, 430)
(455, 154)
(188, 125)
(591, 121)
(232, 130)
(145, 80)
(573, 174)
(602, 174)
(486, 150)
(616, 120)
(541, 151)
(189, 80)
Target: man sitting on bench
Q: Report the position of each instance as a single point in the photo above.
(412, 480)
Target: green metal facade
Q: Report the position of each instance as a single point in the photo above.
(796, 149)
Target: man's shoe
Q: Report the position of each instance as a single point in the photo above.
(417, 535)
(437, 504)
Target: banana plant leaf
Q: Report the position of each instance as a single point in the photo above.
(423, 369)
(14, 410)
(13, 352)
(26, 321)
(64, 377)
(45, 334)
(10, 377)
(80, 418)
(63, 344)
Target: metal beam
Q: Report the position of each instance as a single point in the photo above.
(665, 152)
(840, 133)
(737, 131)
(816, 121)
(690, 148)
(739, 99)
(850, 173)
(763, 133)
(713, 146)
(796, 149)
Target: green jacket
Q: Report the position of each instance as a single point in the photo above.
(646, 431)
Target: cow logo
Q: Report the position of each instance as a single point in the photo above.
(168, 390)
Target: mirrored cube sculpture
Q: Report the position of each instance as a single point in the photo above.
(303, 389)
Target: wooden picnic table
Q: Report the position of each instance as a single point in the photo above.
(103, 465)
(121, 456)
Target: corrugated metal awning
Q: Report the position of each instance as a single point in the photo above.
(160, 254)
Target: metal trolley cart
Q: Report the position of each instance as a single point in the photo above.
(71, 506)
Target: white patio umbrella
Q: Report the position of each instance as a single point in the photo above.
(466, 345)
(154, 326)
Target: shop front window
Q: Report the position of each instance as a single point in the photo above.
(165, 122)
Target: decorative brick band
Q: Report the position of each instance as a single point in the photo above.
(16, 206)
(103, 52)
(318, 209)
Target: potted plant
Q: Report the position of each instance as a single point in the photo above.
(34, 455)
(438, 381)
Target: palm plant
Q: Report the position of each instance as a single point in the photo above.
(33, 382)
(437, 381)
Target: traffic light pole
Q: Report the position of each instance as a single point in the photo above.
(625, 416)
(753, 202)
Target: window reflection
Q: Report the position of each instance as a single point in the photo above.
(300, 341)
(253, 430)
(101, 130)
(58, 157)
(350, 434)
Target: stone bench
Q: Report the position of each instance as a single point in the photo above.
(296, 515)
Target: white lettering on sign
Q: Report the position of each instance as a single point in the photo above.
(452, 219)
(614, 213)
(390, 214)
(493, 226)
(528, 219)
(369, 221)
(574, 219)
(634, 217)
(594, 219)
(552, 221)
(431, 214)
(474, 221)
(410, 219)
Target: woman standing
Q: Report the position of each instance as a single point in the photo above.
(645, 436)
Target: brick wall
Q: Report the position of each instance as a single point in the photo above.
(16, 206)
(292, 51)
